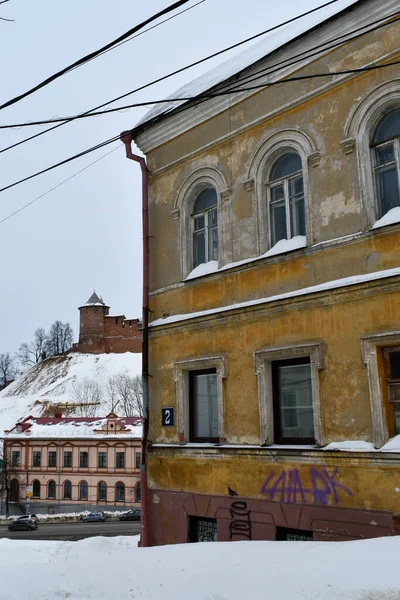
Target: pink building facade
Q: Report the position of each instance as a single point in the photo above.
(73, 464)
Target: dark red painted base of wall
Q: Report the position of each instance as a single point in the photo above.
(169, 512)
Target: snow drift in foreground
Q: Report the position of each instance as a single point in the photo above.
(114, 568)
(53, 380)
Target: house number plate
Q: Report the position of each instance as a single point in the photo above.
(167, 417)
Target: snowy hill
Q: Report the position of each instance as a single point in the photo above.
(56, 379)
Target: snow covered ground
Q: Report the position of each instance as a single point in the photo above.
(108, 568)
(53, 380)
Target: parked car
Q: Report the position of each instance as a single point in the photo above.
(25, 522)
(94, 516)
(132, 515)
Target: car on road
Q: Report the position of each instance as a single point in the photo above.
(94, 516)
(132, 515)
(24, 522)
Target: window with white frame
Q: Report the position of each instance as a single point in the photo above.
(288, 392)
(285, 198)
(205, 227)
(386, 158)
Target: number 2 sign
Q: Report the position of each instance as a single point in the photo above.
(167, 417)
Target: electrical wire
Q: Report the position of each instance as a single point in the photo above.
(94, 54)
(176, 72)
(56, 186)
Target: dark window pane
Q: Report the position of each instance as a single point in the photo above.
(212, 216)
(293, 535)
(296, 186)
(120, 460)
(102, 459)
(278, 222)
(138, 459)
(199, 223)
(388, 128)
(137, 492)
(36, 458)
(83, 459)
(394, 359)
(204, 405)
(36, 488)
(213, 243)
(396, 415)
(286, 165)
(295, 401)
(83, 490)
(67, 490)
(205, 200)
(277, 193)
(52, 458)
(102, 491)
(51, 489)
(384, 154)
(120, 492)
(16, 458)
(199, 249)
(297, 216)
(68, 459)
(202, 530)
(388, 187)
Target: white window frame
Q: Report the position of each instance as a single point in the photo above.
(182, 369)
(263, 360)
(206, 215)
(183, 212)
(359, 129)
(371, 345)
(395, 142)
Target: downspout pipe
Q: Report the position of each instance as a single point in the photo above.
(126, 138)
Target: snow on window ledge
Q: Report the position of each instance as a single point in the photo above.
(391, 217)
(281, 247)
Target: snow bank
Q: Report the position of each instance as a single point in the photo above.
(53, 380)
(108, 568)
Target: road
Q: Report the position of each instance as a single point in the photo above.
(73, 531)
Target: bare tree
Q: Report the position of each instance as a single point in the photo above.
(8, 472)
(8, 369)
(125, 395)
(32, 353)
(59, 338)
(88, 395)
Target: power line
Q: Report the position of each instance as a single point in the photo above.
(176, 72)
(56, 186)
(180, 109)
(207, 96)
(94, 54)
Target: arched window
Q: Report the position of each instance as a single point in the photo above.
(205, 227)
(137, 492)
(36, 488)
(386, 155)
(286, 208)
(120, 492)
(102, 490)
(67, 490)
(83, 490)
(51, 489)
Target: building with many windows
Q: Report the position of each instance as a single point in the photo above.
(274, 345)
(75, 463)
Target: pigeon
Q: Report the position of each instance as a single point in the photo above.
(232, 492)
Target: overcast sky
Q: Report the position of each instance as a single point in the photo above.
(86, 234)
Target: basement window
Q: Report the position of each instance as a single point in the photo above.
(283, 534)
(202, 530)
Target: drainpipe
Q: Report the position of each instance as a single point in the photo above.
(126, 138)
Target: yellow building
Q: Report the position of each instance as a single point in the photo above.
(274, 345)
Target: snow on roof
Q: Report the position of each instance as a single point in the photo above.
(75, 427)
(53, 381)
(268, 44)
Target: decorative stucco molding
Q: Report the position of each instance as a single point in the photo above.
(176, 214)
(182, 369)
(263, 370)
(348, 145)
(314, 160)
(249, 185)
(371, 346)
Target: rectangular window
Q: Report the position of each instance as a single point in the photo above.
(283, 534)
(120, 460)
(203, 406)
(52, 462)
(102, 460)
(15, 458)
(36, 458)
(202, 530)
(138, 459)
(293, 402)
(67, 458)
(84, 459)
(392, 362)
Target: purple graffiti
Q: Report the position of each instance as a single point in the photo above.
(288, 488)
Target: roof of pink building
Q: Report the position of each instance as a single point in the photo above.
(77, 427)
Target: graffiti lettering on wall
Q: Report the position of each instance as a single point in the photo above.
(240, 526)
(287, 487)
